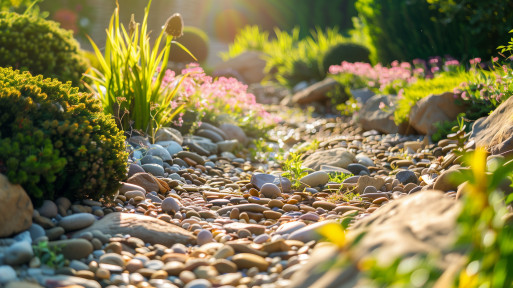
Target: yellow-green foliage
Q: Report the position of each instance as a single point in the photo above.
(55, 141)
(422, 88)
(30, 43)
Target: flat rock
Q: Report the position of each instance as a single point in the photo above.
(146, 228)
(153, 169)
(290, 227)
(316, 92)
(257, 208)
(317, 178)
(77, 221)
(259, 179)
(159, 151)
(66, 281)
(16, 208)
(236, 226)
(338, 157)
(424, 223)
(130, 187)
(208, 126)
(365, 181)
(191, 155)
(171, 146)
(406, 177)
(247, 260)
(210, 134)
(73, 249)
(357, 169)
(169, 134)
(495, 132)
(309, 233)
(145, 181)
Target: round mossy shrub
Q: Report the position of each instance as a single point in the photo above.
(350, 52)
(196, 41)
(55, 141)
(30, 43)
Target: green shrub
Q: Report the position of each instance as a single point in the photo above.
(250, 38)
(350, 52)
(30, 43)
(56, 141)
(405, 30)
(444, 82)
(196, 41)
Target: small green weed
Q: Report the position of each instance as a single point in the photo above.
(339, 177)
(49, 256)
(294, 170)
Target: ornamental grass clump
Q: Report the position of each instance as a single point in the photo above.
(129, 81)
(55, 141)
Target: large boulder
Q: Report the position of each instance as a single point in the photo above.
(419, 224)
(338, 157)
(432, 109)
(15, 208)
(146, 228)
(317, 92)
(495, 132)
(372, 117)
(250, 65)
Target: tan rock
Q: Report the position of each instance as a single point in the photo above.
(338, 157)
(316, 92)
(495, 132)
(146, 228)
(432, 109)
(15, 208)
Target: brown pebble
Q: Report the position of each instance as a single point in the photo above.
(244, 216)
(102, 273)
(380, 200)
(234, 214)
(85, 274)
(290, 207)
(275, 203)
(270, 214)
(161, 274)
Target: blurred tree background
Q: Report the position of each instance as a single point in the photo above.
(391, 29)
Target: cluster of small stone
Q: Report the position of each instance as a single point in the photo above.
(206, 217)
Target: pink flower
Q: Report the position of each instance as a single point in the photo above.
(475, 61)
(382, 105)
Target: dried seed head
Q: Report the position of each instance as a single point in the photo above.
(132, 26)
(174, 25)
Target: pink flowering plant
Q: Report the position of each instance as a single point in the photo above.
(217, 100)
(486, 88)
(129, 79)
(379, 78)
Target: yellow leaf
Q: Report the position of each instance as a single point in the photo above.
(334, 233)
(467, 281)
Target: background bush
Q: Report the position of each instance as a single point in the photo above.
(30, 43)
(196, 41)
(350, 52)
(56, 141)
(405, 30)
